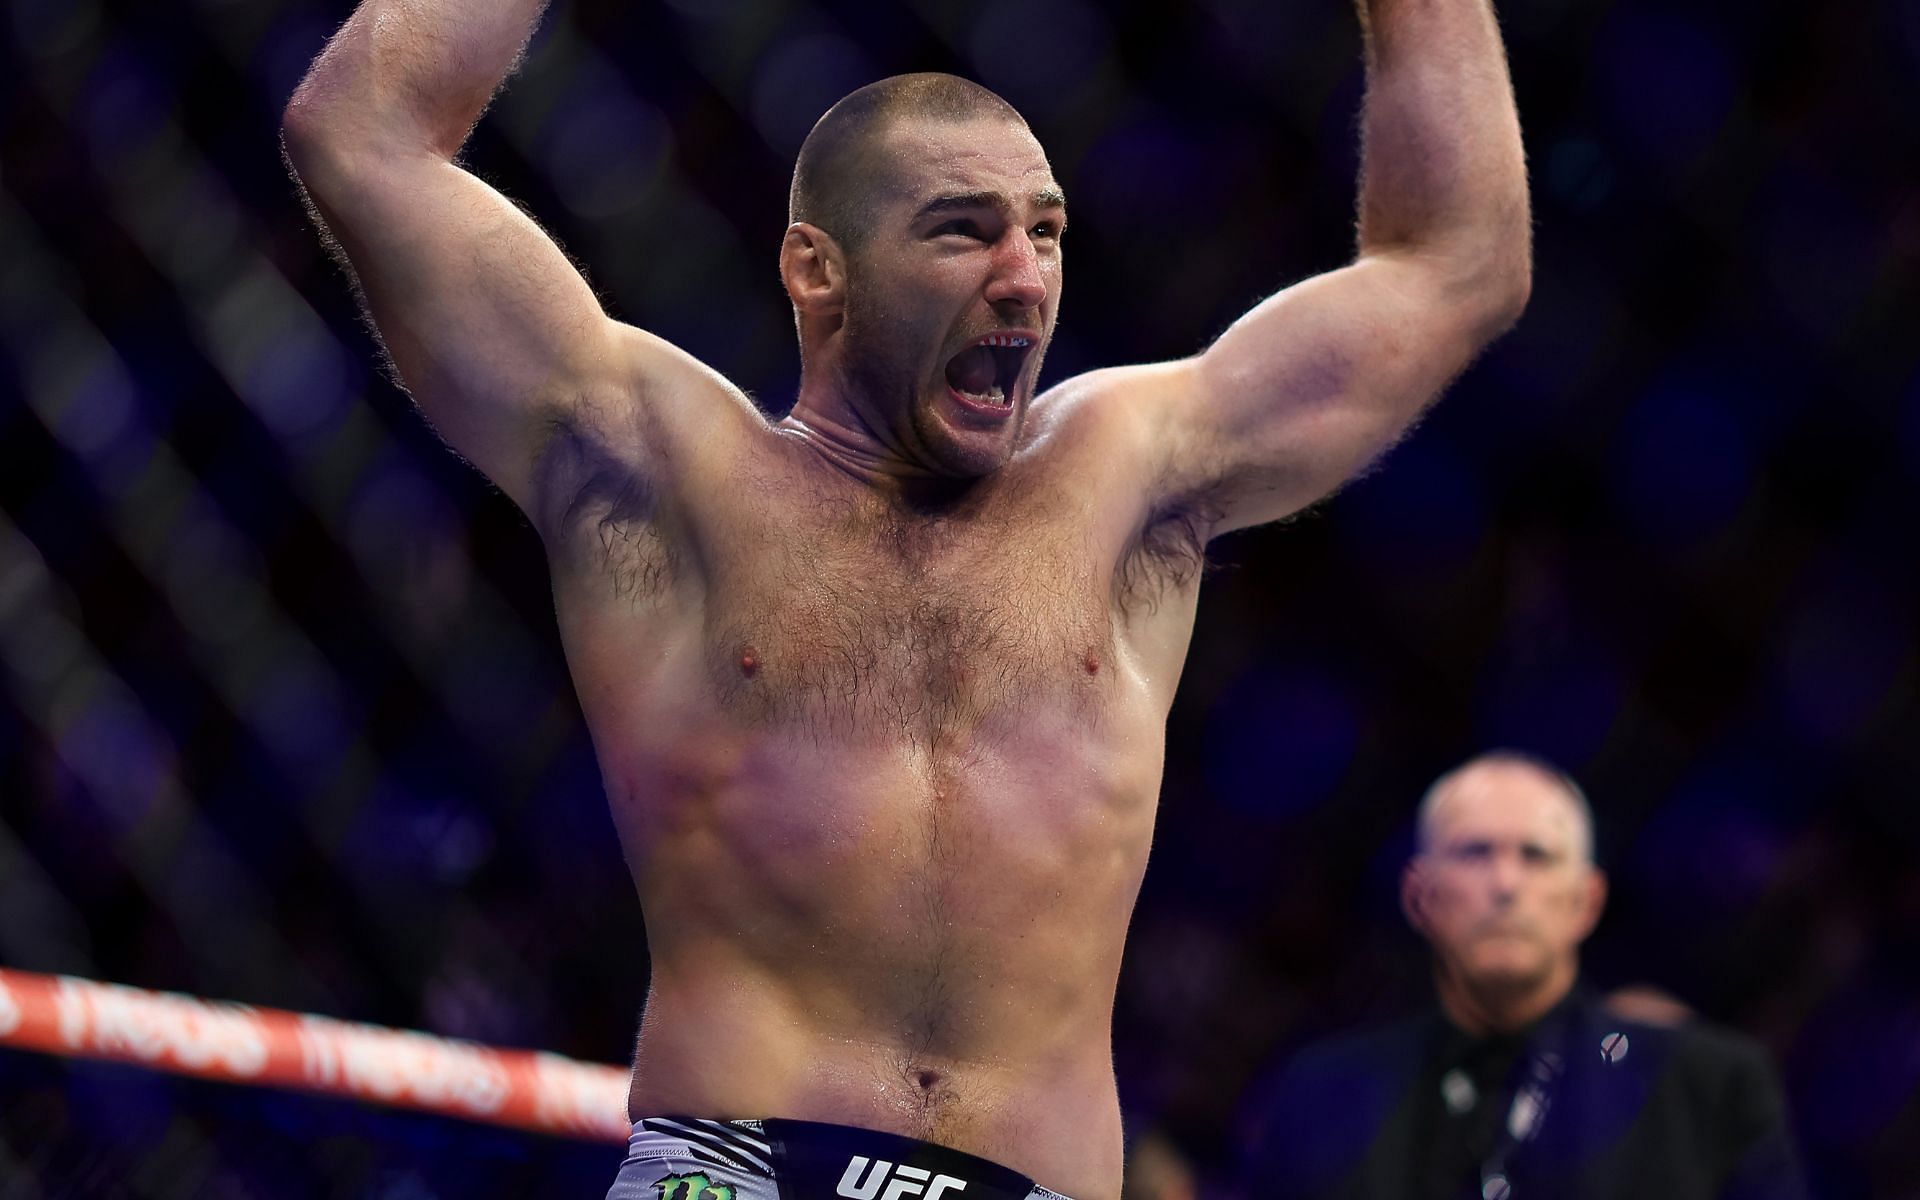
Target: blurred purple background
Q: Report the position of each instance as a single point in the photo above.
(283, 717)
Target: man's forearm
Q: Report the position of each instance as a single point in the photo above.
(1443, 166)
(412, 73)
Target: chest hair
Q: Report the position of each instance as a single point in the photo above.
(855, 616)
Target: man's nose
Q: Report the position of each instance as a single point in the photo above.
(1016, 279)
(1503, 872)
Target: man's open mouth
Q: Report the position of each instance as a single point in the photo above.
(984, 373)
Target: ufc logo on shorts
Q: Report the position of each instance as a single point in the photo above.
(862, 1181)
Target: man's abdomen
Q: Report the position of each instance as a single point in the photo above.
(867, 933)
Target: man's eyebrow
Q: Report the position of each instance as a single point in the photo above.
(960, 202)
(1050, 198)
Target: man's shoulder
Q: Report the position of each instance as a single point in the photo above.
(1690, 1075)
(1724, 1066)
(655, 409)
(669, 393)
(1071, 412)
(1699, 1096)
(1392, 1041)
(1361, 1070)
(1703, 1041)
(1694, 1045)
(1111, 400)
(1315, 1117)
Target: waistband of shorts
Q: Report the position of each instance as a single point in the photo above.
(813, 1160)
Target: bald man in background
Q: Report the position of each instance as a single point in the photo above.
(1521, 1083)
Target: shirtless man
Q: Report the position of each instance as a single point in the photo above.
(879, 690)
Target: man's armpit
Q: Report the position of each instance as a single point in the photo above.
(1170, 552)
(599, 511)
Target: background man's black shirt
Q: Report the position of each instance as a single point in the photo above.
(1679, 1113)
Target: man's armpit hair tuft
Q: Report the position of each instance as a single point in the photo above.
(1170, 551)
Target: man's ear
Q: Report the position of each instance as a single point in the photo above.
(1413, 887)
(814, 270)
(1594, 899)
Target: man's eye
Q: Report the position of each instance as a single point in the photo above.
(966, 229)
(1047, 229)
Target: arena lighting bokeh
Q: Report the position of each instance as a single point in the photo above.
(285, 719)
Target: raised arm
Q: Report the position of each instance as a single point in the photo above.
(493, 332)
(1304, 390)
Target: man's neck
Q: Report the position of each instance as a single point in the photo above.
(837, 434)
(846, 447)
(1483, 1012)
(825, 417)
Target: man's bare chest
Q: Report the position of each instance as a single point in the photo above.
(923, 627)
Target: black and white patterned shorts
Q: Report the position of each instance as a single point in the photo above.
(685, 1158)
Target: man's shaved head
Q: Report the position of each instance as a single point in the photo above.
(1511, 760)
(837, 174)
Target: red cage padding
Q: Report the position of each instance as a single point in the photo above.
(238, 1043)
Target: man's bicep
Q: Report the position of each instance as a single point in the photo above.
(1304, 391)
(490, 327)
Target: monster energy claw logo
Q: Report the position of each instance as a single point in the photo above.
(698, 1186)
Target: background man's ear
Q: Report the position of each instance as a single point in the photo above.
(1413, 895)
(1595, 899)
(813, 268)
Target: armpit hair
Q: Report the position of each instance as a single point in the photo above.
(598, 503)
(1170, 552)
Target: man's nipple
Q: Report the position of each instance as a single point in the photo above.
(749, 661)
(1092, 663)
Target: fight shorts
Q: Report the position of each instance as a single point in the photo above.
(682, 1158)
